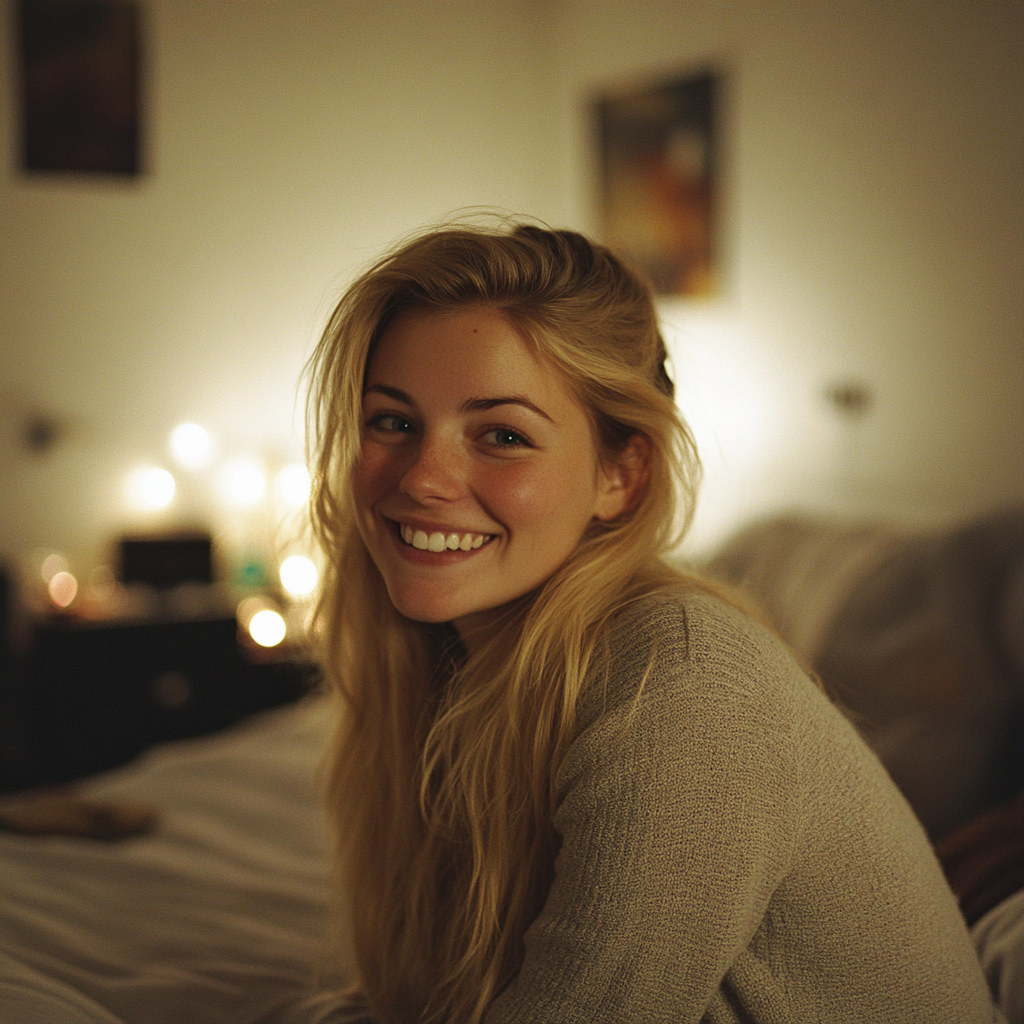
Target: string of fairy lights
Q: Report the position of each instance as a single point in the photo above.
(241, 484)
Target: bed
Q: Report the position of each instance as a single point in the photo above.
(218, 915)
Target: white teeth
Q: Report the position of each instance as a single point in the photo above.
(437, 542)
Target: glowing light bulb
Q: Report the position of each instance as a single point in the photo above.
(62, 588)
(298, 575)
(267, 628)
(52, 564)
(244, 482)
(150, 488)
(190, 445)
(293, 484)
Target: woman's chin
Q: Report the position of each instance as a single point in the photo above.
(422, 608)
(428, 618)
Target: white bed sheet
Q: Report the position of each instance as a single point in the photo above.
(217, 917)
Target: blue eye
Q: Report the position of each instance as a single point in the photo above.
(390, 423)
(501, 437)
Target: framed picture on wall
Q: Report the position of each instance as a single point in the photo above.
(660, 181)
(79, 70)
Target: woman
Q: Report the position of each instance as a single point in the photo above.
(571, 783)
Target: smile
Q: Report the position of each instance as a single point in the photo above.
(439, 541)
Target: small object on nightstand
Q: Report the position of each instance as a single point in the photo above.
(167, 561)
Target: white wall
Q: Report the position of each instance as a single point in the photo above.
(874, 225)
(289, 142)
(874, 230)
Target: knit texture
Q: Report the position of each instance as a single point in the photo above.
(732, 851)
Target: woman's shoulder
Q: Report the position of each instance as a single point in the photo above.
(682, 650)
(691, 628)
(696, 690)
(684, 654)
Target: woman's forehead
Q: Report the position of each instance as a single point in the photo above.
(470, 341)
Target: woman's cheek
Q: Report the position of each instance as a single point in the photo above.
(373, 471)
(519, 494)
(553, 505)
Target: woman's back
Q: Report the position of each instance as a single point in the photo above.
(731, 850)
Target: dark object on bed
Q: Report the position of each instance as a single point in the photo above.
(919, 635)
(984, 860)
(62, 812)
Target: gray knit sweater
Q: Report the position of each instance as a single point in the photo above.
(732, 851)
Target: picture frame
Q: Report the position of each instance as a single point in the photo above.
(80, 70)
(660, 179)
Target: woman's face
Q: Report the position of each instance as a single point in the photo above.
(478, 472)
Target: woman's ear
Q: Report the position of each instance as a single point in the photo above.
(622, 482)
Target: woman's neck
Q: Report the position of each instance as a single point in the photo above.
(477, 629)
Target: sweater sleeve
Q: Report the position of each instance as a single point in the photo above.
(678, 813)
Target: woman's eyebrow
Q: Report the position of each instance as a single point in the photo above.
(483, 404)
(396, 393)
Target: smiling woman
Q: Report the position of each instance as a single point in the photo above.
(571, 783)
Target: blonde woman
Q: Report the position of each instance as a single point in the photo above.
(571, 783)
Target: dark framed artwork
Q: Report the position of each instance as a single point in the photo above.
(660, 181)
(79, 71)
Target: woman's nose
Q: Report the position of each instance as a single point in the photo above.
(437, 473)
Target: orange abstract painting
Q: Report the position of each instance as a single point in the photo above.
(659, 195)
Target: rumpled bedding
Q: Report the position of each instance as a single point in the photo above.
(216, 917)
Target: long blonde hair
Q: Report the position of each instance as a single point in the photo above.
(442, 775)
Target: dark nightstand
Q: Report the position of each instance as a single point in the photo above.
(91, 696)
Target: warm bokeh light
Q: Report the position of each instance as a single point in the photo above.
(298, 575)
(293, 484)
(53, 564)
(243, 481)
(267, 628)
(150, 488)
(62, 588)
(190, 445)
